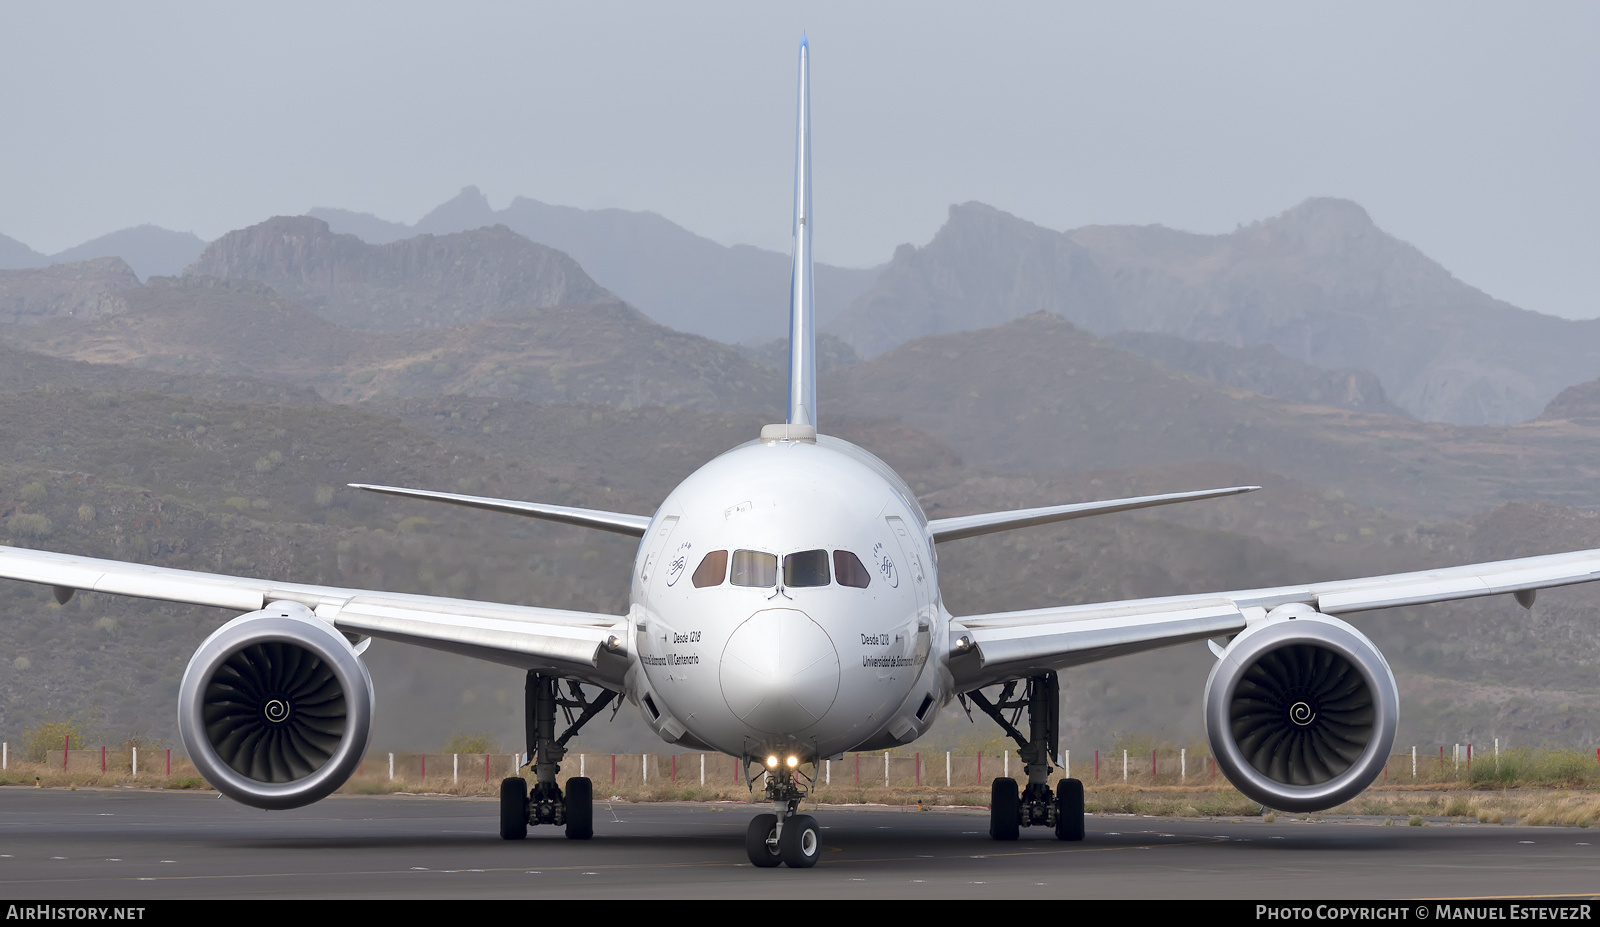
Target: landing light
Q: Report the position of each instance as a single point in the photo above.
(794, 761)
(772, 761)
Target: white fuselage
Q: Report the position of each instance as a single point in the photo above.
(839, 658)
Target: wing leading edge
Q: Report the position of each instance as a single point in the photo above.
(633, 526)
(1007, 645)
(968, 526)
(586, 645)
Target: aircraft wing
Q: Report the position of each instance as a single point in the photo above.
(1008, 645)
(633, 526)
(585, 645)
(969, 526)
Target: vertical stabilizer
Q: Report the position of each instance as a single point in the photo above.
(802, 318)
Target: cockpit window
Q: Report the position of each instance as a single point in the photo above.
(713, 567)
(847, 567)
(754, 568)
(807, 568)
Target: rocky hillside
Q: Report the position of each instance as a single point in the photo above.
(1320, 283)
(422, 282)
(1263, 369)
(1031, 394)
(605, 352)
(82, 290)
(1580, 403)
(201, 325)
(25, 370)
(736, 295)
(1041, 394)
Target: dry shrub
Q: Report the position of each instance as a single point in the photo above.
(29, 525)
(49, 737)
(477, 742)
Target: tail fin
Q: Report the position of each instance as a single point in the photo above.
(802, 318)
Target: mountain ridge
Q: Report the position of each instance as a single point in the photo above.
(420, 282)
(150, 250)
(735, 294)
(1319, 282)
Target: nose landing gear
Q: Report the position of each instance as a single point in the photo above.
(546, 804)
(785, 837)
(1036, 805)
(800, 845)
(761, 842)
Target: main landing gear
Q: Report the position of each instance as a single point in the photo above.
(785, 837)
(546, 804)
(1035, 805)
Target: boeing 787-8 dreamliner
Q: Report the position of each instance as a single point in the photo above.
(785, 609)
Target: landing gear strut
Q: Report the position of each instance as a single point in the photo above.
(1010, 811)
(546, 804)
(785, 837)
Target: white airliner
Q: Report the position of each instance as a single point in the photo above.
(785, 609)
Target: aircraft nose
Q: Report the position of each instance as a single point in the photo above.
(780, 671)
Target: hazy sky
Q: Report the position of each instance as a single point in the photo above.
(1470, 130)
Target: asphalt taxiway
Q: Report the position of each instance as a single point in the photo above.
(128, 844)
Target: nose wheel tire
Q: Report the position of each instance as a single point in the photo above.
(513, 808)
(1005, 808)
(1069, 809)
(801, 843)
(579, 800)
(760, 841)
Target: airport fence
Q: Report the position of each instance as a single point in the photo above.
(893, 770)
(141, 764)
(896, 770)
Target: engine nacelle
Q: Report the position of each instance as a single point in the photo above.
(1301, 710)
(275, 708)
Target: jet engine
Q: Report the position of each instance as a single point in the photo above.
(1301, 710)
(275, 708)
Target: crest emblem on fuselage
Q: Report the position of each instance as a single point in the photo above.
(679, 564)
(885, 566)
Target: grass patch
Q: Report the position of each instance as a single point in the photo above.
(1529, 768)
